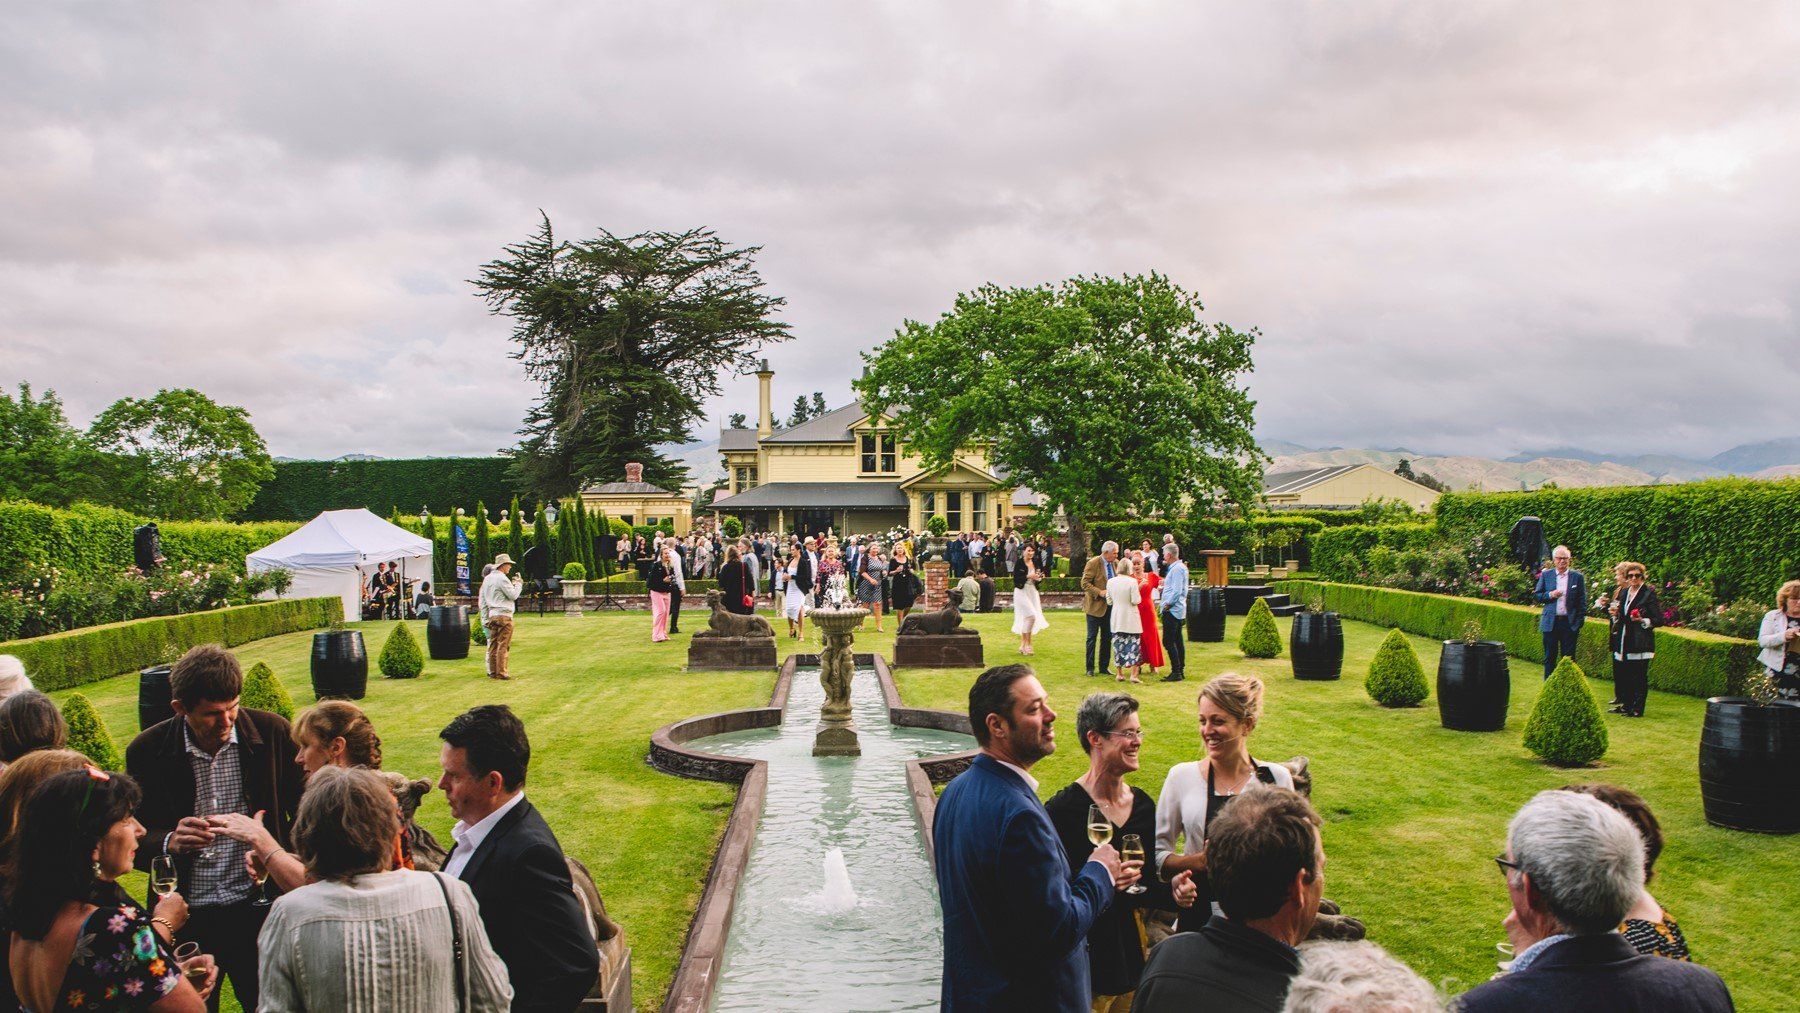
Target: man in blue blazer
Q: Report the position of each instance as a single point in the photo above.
(1015, 921)
(1563, 592)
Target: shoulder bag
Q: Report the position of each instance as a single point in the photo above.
(456, 942)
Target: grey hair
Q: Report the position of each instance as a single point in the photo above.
(1584, 857)
(1100, 712)
(1357, 975)
(1564, 549)
(1109, 546)
(12, 676)
(1124, 565)
(1171, 550)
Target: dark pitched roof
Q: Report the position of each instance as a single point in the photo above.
(831, 427)
(816, 495)
(737, 439)
(1285, 482)
(631, 488)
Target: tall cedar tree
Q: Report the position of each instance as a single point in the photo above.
(540, 537)
(800, 414)
(515, 534)
(483, 550)
(1164, 426)
(628, 337)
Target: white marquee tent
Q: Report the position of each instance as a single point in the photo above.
(337, 551)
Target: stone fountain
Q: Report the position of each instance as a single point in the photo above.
(836, 623)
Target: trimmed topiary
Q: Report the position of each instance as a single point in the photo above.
(1396, 679)
(1565, 727)
(1259, 637)
(264, 692)
(400, 656)
(88, 735)
(574, 570)
(477, 631)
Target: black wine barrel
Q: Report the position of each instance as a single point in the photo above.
(447, 632)
(1239, 597)
(1474, 685)
(1206, 615)
(154, 696)
(340, 665)
(1750, 765)
(1316, 645)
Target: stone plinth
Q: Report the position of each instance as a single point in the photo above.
(937, 586)
(961, 649)
(711, 654)
(836, 735)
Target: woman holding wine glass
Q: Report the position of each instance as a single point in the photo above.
(1100, 808)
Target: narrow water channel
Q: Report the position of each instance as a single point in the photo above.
(793, 945)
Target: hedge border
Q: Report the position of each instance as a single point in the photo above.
(1687, 662)
(78, 657)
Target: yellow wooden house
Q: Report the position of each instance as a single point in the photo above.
(847, 472)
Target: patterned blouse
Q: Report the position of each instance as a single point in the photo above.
(1656, 939)
(119, 963)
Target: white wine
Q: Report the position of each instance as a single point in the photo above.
(163, 887)
(1099, 833)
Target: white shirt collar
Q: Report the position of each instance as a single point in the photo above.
(469, 838)
(187, 738)
(1030, 781)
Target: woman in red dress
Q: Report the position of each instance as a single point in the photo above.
(1148, 583)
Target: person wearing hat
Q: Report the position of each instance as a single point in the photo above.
(499, 590)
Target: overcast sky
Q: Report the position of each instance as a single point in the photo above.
(1460, 227)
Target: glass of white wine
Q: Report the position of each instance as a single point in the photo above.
(1131, 849)
(162, 875)
(1099, 827)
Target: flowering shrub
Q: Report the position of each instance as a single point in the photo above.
(48, 600)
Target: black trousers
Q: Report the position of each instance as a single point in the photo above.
(1631, 683)
(675, 610)
(229, 934)
(1174, 644)
(1099, 628)
(1559, 642)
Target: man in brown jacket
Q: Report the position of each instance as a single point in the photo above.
(1094, 576)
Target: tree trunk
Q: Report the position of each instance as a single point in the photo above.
(1078, 545)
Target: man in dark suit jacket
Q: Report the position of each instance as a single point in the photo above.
(1015, 921)
(1574, 866)
(957, 555)
(1563, 592)
(513, 864)
(808, 569)
(214, 757)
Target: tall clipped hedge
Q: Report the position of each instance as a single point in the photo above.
(1687, 662)
(300, 489)
(78, 657)
(1335, 551)
(1740, 534)
(90, 539)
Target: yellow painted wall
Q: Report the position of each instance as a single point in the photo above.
(664, 507)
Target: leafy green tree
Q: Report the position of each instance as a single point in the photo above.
(737, 421)
(802, 411)
(1565, 727)
(194, 459)
(540, 536)
(628, 336)
(818, 404)
(515, 532)
(483, 552)
(88, 734)
(1396, 679)
(1162, 420)
(1260, 638)
(568, 548)
(42, 457)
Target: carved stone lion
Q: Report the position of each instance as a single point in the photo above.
(934, 624)
(730, 624)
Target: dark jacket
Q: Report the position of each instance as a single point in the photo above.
(803, 574)
(660, 580)
(734, 584)
(1015, 919)
(1577, 600)
(1224, 967)
(157, 760)
(521, 880)
(1600, 974)
(1627, 635)
(1115, 954)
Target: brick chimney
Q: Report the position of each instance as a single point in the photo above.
(634, 472)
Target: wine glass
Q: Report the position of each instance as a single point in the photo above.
(1131, 849)
(1098, 826)
(212, 807)
(162, 875)
(187, 951)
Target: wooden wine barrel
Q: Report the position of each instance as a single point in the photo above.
(447, 632)
(340, 665)
(154, 696)
(1316, 645)
(1474, 685)
(1206, 615)
(1750, 765)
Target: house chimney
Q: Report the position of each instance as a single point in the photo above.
(634, 472)
(765, 419)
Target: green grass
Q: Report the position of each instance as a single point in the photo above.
(1414, 812)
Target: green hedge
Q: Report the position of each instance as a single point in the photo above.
(300, 489)
(88, 539)
(1687, 662)
(78, 657)
(1739, 534)
(1336, 552)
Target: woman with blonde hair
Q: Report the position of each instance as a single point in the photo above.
(1195, 792)
(903, 586)
(1779, 639)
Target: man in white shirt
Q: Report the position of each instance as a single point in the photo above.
(499, 590)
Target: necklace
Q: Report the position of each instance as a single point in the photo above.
(1241, 781)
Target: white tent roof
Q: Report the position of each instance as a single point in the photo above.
(338, 538)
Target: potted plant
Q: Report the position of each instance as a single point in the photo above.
(340, 663)
(1316, 642)
(935, 544)
(1474, 685)
(1750, 760)
(574, 580)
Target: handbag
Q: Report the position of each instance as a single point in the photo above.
(456, 941)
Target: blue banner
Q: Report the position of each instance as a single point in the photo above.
(461, 541)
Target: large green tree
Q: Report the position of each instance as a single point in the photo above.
(628, 336)
(188, 457)
(42, 457)
(1107, 396)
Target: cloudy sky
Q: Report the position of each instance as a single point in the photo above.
(1460, 227)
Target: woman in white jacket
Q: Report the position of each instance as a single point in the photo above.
(1780, 641)
(1127, 629)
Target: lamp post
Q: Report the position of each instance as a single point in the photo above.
(550, 512)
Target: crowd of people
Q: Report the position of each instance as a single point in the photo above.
(281, 858)
(1136, 608)
(1052, 906)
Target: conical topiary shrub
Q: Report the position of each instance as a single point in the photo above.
(264, 692)
(477, 632)
(1565, 727)
(1396, 679)
(88, 735)
(1259, 637)
(400, 656)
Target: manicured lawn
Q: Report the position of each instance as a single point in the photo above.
(1414, 813)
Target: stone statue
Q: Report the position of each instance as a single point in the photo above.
(936, 624)
(732, 624)
(836, 735)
